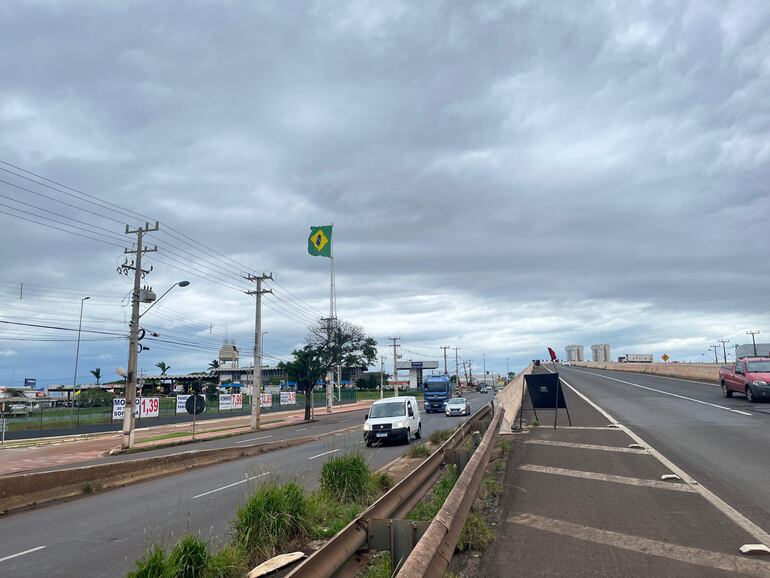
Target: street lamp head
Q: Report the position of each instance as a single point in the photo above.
(84, 298)
(183, 283)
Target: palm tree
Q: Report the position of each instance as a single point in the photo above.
(97, 373)
(163, 367)
(214, 364)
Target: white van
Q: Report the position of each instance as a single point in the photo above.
(393, 418)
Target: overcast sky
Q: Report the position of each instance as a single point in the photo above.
(502, 176)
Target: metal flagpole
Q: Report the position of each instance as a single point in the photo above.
(332, 324)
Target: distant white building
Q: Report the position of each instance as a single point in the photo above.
(574, 353)
(600, 353)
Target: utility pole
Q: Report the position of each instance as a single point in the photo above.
(724, 349)
(445, 347)
(507, 370)
(714, 349)
(457, 370)
(753, 341)
(127, 440)
(256, 385)
(382, 375)
(395, 363)
(470, 371)
(484, 366)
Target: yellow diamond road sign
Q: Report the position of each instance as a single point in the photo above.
(665, 357)
(320, 241)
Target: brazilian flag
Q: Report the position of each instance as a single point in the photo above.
(319, 243)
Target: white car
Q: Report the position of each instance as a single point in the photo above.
(458, 406)
(393, 418)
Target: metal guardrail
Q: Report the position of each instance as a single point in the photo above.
(432, 554)
(343, 548)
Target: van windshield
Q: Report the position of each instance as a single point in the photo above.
(391, 409)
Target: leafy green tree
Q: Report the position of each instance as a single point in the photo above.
(214, 364)
(97, 373)
(164, 369)
(94, 398)
(328, 344)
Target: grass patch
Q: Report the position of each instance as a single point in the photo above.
(379, 566)
(229, 562)
(382, 482)
(188, 559)
(534, 422)
(274, 517)
(490, 487)
(476, 535)
(431, 504)
(346, 478)
(153, 565)
(90, 487)
(329, 516)
(438, 437)
(176, 434)
(506, 446)
(417, 451)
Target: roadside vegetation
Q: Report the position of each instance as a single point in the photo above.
(276, 518)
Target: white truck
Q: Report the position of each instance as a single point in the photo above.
(638, 358)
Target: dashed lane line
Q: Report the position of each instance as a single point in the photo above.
(22, 553)
(695, 556)
(247, 479)
(324, 454)
(586, 446)
(741, 520)
(676, 487)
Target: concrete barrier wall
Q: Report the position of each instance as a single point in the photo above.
(697, 371)
(509, 398)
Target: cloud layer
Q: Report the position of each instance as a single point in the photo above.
(502, 176)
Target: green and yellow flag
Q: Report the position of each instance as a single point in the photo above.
(319, 243)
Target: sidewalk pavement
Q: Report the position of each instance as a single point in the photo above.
(35, 454)
(578, 501)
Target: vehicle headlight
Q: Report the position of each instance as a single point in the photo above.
(367, 426)
(399, 424)
(760, 383)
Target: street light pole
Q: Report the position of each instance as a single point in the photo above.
(724, 348)
(77, 356)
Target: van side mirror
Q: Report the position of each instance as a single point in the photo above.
(366, 417)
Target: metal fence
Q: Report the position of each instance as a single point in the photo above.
(58, 418)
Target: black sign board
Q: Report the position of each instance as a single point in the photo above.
(545, 391)
(195, 404)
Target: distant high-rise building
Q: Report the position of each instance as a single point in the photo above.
(600, 353)
(574, 353)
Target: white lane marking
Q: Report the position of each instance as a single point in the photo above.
(741, 520)
(607, 478)
(22, 553)
(669, 393)
(695, 556)
(344, 420)
(301, 429)
(325, 453)
(253, 439)
(230, 485)
(623, 450)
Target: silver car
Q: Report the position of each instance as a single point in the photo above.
(458, 406)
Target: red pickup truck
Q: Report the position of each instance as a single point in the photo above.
(749, 376)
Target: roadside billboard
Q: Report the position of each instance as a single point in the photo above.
(143, 407)
(265, 400)
(230, 401)
(181, 401)
(288, 398)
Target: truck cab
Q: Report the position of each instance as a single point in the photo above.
(437, 390)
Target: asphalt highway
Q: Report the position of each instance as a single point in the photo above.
(103, 534)
(722, 443)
